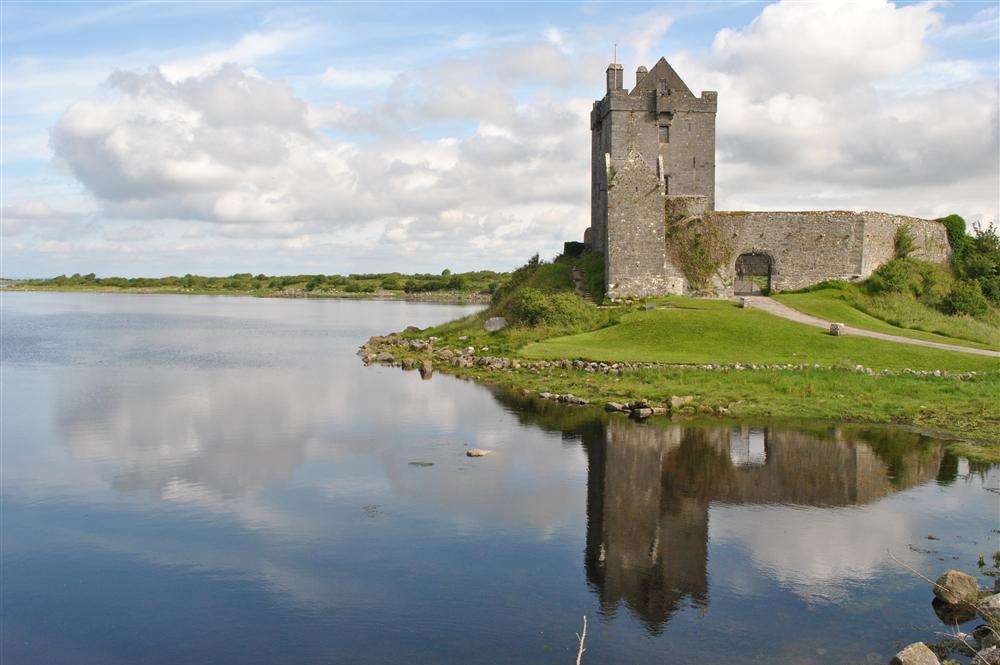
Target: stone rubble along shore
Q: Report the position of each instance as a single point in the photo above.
(380, 349)
(960, 591)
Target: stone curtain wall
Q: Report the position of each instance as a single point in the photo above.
(813, 246)
(804, 247)
(930, 240)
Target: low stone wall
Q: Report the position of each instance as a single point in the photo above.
(803, 247)
(930, 239)
(812, 246)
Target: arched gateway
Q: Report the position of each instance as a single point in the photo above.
(753, 274)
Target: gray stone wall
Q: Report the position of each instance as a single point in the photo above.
(812, 246)
(635, 259)
(931, 240)
(804, 247)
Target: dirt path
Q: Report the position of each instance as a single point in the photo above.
(772, 306)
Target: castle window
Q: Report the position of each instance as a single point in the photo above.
(664, 133)
(694, 162)
(666, 184)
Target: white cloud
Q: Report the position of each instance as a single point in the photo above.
(833, 105)
(357, 77)
(247, 50)
(649, 36)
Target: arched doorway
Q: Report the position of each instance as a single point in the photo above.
(753, 274)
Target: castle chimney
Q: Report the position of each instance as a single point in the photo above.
(615, 76)
(639, 73)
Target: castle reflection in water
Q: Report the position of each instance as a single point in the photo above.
(649, 490)
(650, 486)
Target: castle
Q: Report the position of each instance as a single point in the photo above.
(653, 211)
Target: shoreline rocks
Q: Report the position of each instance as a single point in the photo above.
(955, 587)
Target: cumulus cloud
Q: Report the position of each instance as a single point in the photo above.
(484, 154)
(233, 148)
(839, 105)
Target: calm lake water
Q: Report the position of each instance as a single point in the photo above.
(220, 480)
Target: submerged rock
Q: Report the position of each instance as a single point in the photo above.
(989, 607)
(952, 615)
(917, 653)
(477, 452)
(956, 587)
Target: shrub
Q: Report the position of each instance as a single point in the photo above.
(954, 226)
(573, 249)
(966, 297)
(392, 283)
(904, 242)
(927, 281)
(896, 276)
(532, 307)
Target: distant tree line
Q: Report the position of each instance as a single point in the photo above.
(482, 281)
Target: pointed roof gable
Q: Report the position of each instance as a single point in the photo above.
(660, 71)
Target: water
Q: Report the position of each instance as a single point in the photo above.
(220, 480)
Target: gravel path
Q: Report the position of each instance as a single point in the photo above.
(772, 306)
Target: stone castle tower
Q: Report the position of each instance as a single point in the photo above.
(653, 166)
(661, 126)
(662, 120)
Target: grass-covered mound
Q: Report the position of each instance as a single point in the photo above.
(892, 313)
(538, 301)
(959, 303)
(689, 330)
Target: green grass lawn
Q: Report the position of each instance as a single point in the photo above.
(709, 331)
(832, 305)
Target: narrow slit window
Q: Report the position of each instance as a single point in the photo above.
(664, 133)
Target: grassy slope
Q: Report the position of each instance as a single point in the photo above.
(710, 331)
(833, 305)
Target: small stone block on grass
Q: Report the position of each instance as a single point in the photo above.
(837, 329)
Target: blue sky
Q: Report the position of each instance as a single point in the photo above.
(152, 138)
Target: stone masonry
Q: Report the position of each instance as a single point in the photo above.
(653, 159)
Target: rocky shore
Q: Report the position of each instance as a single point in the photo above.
(393, 349)
(959, 600)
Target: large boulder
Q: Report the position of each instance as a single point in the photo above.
(917, 653)
(956, 587)
(494, 324)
